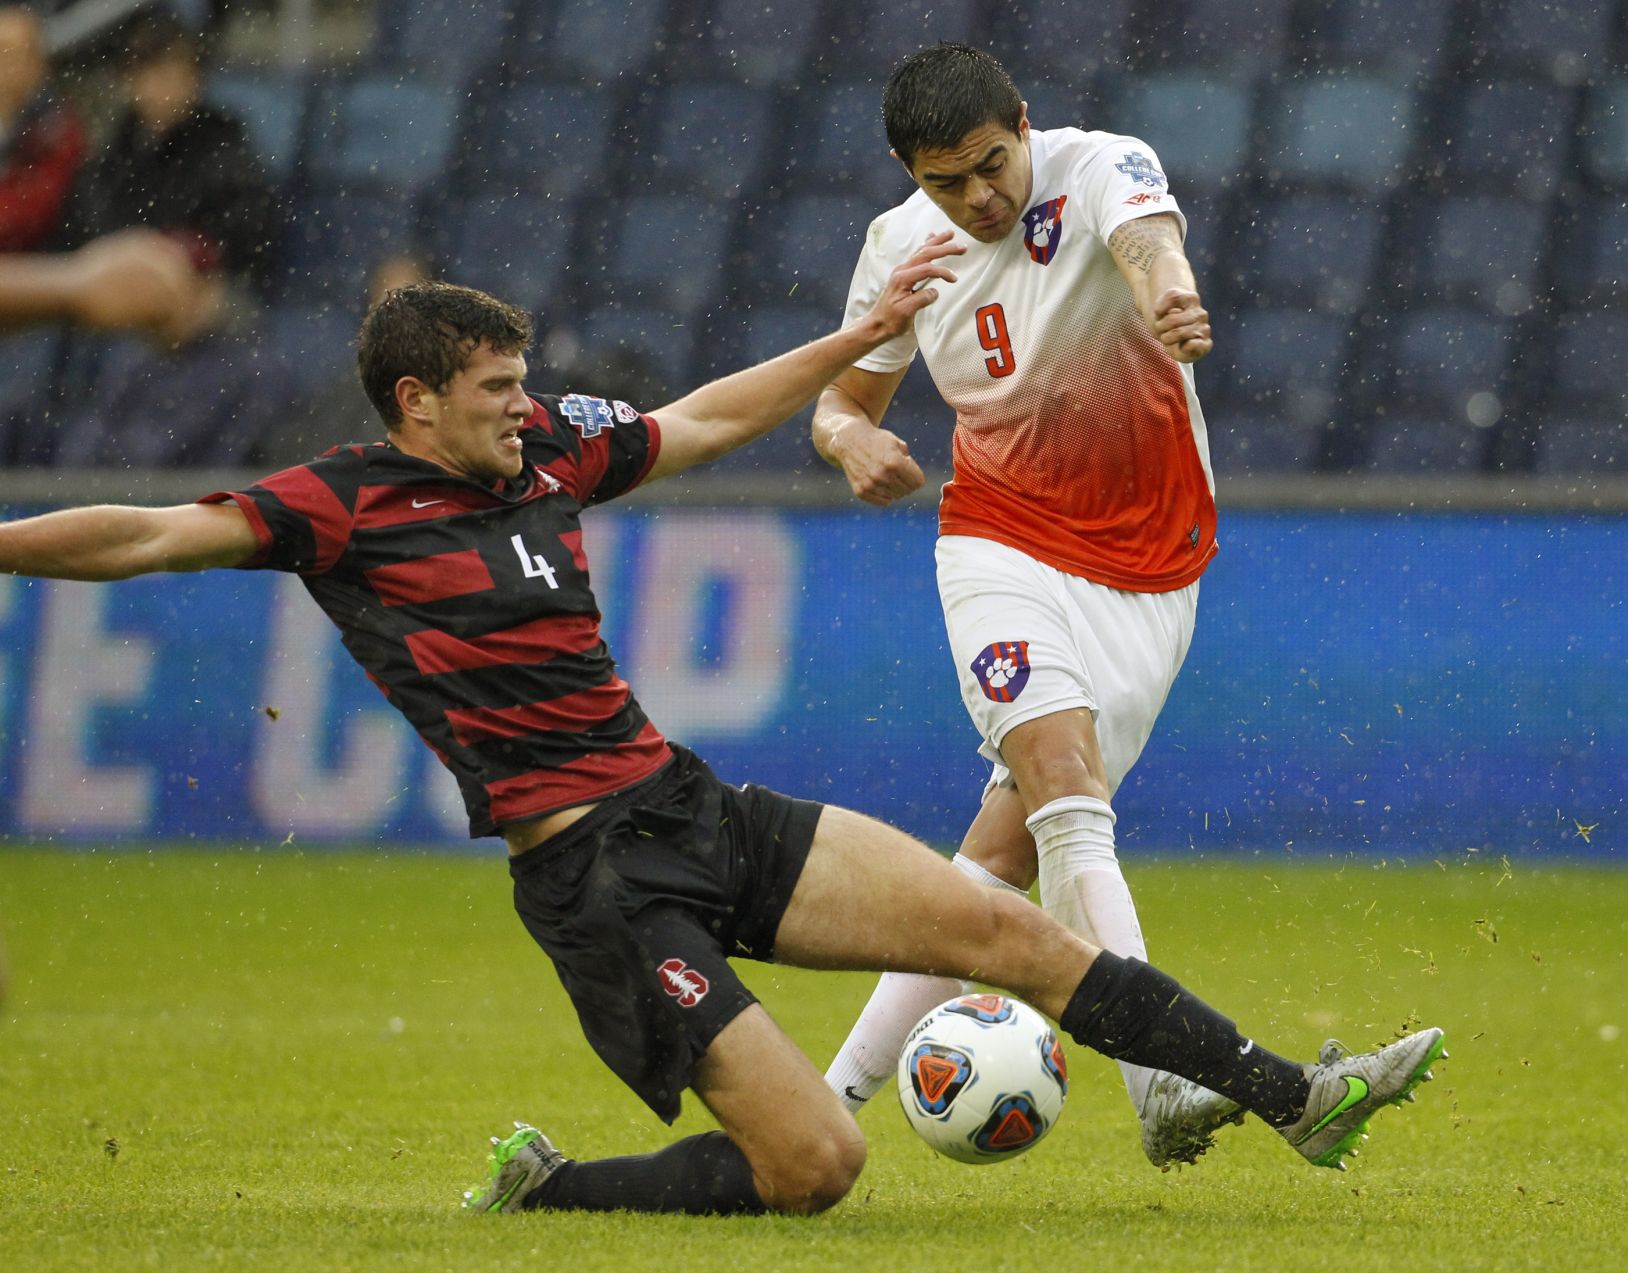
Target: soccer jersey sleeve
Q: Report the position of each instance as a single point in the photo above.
(870, 277)
(299, 516)
(1123, 180)
(617, 444)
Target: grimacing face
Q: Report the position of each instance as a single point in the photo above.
(476, 419)
(983, 182)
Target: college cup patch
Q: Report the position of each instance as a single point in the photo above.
(683, 982)
(1002, 670)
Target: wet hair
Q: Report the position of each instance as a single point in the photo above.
(935, 97)
(430, 331)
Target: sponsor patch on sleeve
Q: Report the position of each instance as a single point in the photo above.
(590, 415)
(1141, 169)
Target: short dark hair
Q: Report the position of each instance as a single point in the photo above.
(429, 331)
(937, 96)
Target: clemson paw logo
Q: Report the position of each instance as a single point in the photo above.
(1002, 670)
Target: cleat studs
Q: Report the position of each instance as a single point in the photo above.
(1428, 1077)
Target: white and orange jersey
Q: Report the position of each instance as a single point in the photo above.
(1078, 439)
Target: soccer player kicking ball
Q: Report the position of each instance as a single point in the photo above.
(450, 557)
(1080, 516)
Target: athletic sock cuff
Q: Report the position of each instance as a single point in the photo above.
(983, 875)
(1066, 805)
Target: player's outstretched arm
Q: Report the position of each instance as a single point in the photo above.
(114, 541)
(731, 412)
(1149, 255)
(848, 434)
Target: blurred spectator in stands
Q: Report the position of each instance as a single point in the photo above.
(42, 138)
(175, 163)
(339, 409)
(134, 280)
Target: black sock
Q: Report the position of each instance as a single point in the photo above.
(699, 1175)
(1131, 1011)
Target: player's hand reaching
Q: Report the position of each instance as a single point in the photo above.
(1182, 324)
(909, 288)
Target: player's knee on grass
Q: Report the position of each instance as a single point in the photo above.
(813, 1175)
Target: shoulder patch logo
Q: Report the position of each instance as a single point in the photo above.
(1002, 670)
(624, 413)
(590, 415)
(1140, 169)
(1043, 229)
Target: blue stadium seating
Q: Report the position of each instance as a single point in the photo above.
(1381, 37)
(808, 246)
(1506, 136)
(1445, 359)
(1561, 40)
(540, 135)
(1583, 446)
(876, 37)
(1482, 248)
(708, 138)
(1245, 443)
(444, 40)
(1056, 103)
(382, 132)
(271, 105)
(1589, 369)
(1060, 40)
(589, 41)
(1426, 444)
(316, 343)
(1286, 361)
(1593, 265)
(662, 339)
(518, 249)
(1198, 122)
(1316, 250)
(27, 389)
(1352, 132)
(1242, 34)
(1605, 133)
(836, 143)
(335, 239)
(666, 250)
(752, 335)
(760, 43)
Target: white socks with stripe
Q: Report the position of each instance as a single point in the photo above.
(1083, 888)
(869, 1059)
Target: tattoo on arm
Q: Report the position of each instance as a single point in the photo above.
(1140, 242)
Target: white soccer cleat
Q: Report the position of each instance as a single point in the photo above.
(1180, 1120)
(518, 1164)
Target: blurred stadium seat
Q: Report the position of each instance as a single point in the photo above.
(1241, 35)
(1286, 362)
(836, 144)
(1451, 360)
(876, 36)
(759, 43)
(1057, 103)
(706, 138)
(1353, 132)
(663, 250)
(1584, 446)
(382, 132)
(1244, 443)
(1605, 133)
(1560, 40)
(1589, 367)
(807, 244)
(538, 135)
(1506, 136)
(30, 361)
(1487, 249)
(1317, 250)
(1061, 40)
(660, 339)
(1387, 38)
(1198, 122)
(1592, 266)
(442, 40)
(271, 105)
(336, 237)
(1422, 444)
(589, 41)
(518, 249)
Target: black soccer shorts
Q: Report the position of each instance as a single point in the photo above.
(641, 903)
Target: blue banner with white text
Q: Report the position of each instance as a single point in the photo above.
(1373, 683)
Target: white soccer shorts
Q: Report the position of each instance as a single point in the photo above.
(1029, 640)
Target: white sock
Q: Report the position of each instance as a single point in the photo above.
(1082, 887)
(869, 1058)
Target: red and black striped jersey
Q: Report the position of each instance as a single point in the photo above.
(469, 604)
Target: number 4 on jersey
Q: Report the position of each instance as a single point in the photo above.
(993, 336)
(533, 564)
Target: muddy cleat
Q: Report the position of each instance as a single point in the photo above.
(518, 1164)
(1346, 1091)
(1180, 1120)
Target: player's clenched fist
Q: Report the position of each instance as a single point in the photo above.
(1182, 324)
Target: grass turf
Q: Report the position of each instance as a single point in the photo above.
(227, 1059)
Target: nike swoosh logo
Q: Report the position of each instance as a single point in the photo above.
(425, 503)
(851, 1094)
(1249, 1046)
(1356, 1091)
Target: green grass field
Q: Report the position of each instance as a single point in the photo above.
(224, 1059)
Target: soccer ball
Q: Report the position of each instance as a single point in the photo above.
(982, 1078)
